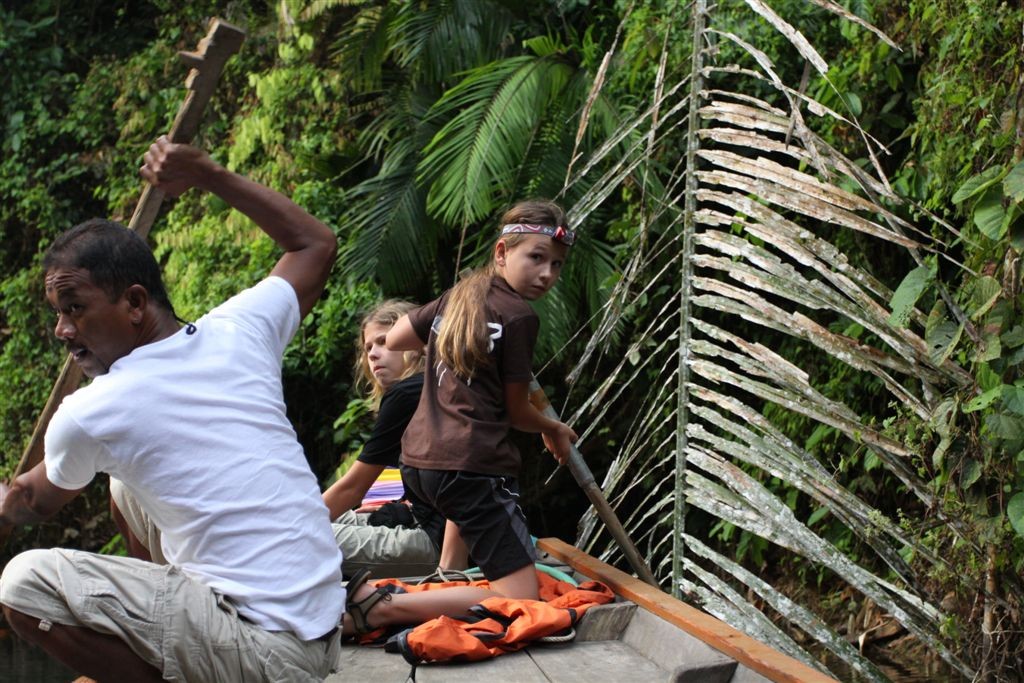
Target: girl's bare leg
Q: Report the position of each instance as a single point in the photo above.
(520, 584)
(454, 553)
(416, 608)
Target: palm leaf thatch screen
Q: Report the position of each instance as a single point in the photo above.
(741, 242)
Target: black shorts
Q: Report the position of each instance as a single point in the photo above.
(486, 510)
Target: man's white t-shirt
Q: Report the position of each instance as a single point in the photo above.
(195, 427)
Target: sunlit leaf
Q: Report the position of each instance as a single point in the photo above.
(989, 214)
(907, 294)
(1013, 183)
(982, 401)
(977, 184)
(1015, 513)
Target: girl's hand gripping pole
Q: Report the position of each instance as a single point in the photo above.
(585, 478)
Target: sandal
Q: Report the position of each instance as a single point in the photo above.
(359, 611)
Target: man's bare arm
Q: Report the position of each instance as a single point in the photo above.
(310, 246)
(32, 498)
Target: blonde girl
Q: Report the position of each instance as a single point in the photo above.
(409, 544)
(456, 452)
(378, 370)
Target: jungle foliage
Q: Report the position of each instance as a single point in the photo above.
(771, 385)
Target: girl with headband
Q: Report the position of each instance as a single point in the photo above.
(456, 452)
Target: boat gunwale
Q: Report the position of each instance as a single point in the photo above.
(749, 652)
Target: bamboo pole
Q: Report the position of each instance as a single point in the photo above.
(222, 40)
(585, 478)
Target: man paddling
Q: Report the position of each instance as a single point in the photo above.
(191, 420)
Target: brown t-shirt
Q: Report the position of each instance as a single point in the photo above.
(463, 425)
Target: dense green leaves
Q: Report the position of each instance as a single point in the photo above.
(893, 383)
(494, 116)
(1013, 183)
(976, 185)
(989, 214)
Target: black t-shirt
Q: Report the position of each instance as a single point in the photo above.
(384, 447)
(396, 409)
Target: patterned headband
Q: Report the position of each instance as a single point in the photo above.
(559, 233)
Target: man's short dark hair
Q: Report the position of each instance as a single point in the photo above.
(115, 257)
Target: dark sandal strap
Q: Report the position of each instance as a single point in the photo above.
(357, 580)
(360, 611)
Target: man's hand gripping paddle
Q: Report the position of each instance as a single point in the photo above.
(222, 40)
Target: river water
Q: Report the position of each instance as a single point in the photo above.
(21, 663)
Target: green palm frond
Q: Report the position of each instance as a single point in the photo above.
(397, 130)
(438, 39)
(363, 47)
(492, 117)
(391, 237)
(312, 9)
(390, 233)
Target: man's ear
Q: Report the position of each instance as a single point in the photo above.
(137, 298)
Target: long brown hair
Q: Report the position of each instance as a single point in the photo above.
(463, 340)
(387, 313)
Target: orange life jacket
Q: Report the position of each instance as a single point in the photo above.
(496, 625)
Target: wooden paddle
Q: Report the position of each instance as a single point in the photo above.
(221, 41)
(585, 478)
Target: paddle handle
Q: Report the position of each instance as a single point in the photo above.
(222, 40)
(585, 478)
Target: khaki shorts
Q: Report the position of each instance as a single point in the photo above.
(141, 525)
(180, 626)
(385, 551)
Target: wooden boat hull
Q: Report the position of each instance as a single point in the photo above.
(648, 637)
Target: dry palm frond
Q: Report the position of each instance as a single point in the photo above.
(746, 247)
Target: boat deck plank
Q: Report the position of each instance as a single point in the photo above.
(573, 663)
(596, 660)
(748, 652)
(657, 640)
(357, 663)
(373, 664)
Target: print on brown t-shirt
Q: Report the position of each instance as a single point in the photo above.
(462, 424)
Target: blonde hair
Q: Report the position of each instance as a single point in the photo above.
(387, 313)
(464, 338)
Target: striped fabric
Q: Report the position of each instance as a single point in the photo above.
(387, 487)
